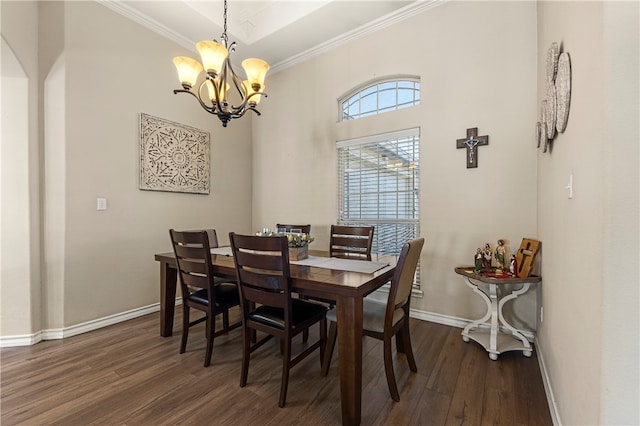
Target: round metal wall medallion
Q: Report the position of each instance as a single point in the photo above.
(563, 91)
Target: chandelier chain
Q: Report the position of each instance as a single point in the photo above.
(224, 32)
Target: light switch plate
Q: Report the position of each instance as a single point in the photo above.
(102, 204)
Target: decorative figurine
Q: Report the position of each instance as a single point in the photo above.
(513, 265)
(500, 252)
(478, 261)
(486, 258)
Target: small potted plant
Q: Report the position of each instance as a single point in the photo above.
(298, 243)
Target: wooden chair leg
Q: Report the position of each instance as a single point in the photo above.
(185, 328)
(323, 340)
(246, 353)
(399, 343)
(388, 369)
(328, 351)
(408, 349)
(211, 331)
(225, 321)
(286, 358)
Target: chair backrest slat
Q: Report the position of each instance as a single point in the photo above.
(261, 280)
(266, 260)
(190, 251)
(200, 281)
(351, 242)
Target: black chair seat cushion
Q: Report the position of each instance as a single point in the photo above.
(302, 312)
(226, 295)
(219, 280)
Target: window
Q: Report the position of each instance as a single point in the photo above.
(378, 184)
(382, 96)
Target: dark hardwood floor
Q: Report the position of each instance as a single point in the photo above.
(128, 374)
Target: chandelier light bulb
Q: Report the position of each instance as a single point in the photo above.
(253, 99)
(188, 71)
(222, 94)
(213, 55)
(256, 70)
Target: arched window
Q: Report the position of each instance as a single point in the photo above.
(380, 96)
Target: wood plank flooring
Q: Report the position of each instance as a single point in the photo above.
(128, 374)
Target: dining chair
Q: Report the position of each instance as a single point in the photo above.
(200, 289)
(347, 242)
(351, 242)
(383, 320)
(264, 279)
(305, 229)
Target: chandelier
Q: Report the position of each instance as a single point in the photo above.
(219, 77)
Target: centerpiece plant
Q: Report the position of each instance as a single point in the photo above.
(298, 243)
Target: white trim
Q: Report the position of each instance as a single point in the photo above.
(458, 322)
(373, 26)
(381, 137)
(147, 22)
(551, 400)
(20, 340)
(62, 333)
(376, 81)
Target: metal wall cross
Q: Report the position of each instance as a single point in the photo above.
(472, 142)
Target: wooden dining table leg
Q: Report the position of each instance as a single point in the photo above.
(168, 283)
(349, 311)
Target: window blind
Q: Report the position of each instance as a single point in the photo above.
(378, 184)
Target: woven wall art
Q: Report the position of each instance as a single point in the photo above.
(554, 111)
(173, 157)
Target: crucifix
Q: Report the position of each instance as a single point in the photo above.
(472, 142)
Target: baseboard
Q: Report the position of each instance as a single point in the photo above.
(61, 333)
(551, 401)
(20, 340)
(457, 322)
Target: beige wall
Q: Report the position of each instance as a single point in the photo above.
(108, 70)
(471, 76)
(590, 269)
(20, 297)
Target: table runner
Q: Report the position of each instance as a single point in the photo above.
(364, 266)
(226, 251)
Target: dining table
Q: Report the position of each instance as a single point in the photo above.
(347, 288)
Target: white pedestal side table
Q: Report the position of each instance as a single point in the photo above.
(493, 338)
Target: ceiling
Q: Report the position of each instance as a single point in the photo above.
(282, 32)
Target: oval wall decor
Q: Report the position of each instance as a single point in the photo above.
(554, 111)
(563, 91)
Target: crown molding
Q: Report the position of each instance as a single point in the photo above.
(373, 26)
(128, 12)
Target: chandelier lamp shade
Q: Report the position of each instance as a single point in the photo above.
(220, 79)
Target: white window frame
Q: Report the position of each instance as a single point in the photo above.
(372, 87)
(376, 149)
